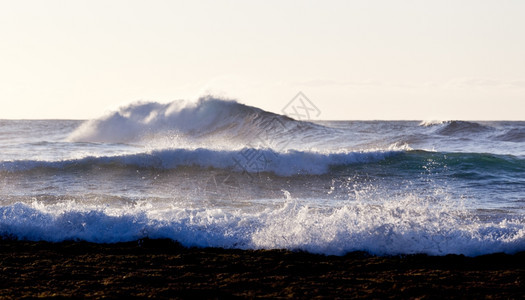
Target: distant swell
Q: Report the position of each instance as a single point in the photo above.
(456, 127)
(516, 135)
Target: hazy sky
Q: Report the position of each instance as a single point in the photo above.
(354, 59)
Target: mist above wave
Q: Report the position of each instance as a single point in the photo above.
(207, 122)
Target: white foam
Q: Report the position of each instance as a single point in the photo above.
(209, 122)
(398, 226)
(430, 123)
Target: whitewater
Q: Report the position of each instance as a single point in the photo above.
(217, 173)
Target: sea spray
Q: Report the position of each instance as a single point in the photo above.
(399, 225)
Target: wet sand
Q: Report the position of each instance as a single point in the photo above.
(164, 269)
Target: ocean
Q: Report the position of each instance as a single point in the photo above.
(217, 173)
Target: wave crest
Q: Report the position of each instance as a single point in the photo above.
(209, 121)
(456, 127)
(250, 160)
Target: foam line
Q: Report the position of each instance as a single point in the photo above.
(394, 227)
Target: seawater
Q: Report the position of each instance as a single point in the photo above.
(217, 173)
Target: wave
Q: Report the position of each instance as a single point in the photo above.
(404, 225)
(516, 135)
(287, 163)
(496, 131)
(430, 123)
(251, 160)
(209, 121)
(451, 128)
(457, 161)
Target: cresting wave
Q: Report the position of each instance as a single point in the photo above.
(248, 159)
(469, 129)
(209, 122)
(400, 226)
(288, 163)
(456, 127)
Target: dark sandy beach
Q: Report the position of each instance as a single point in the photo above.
(164, 269)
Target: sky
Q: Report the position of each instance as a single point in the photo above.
(355, 60)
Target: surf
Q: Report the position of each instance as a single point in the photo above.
(404, 224)
(252, 160)
(209, 122)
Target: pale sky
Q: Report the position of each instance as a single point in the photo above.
(422, 60)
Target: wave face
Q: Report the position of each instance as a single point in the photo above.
(244, 160)
(208, 122)
(289, 163)
(217, 173)
(457, 127)
(516, 135)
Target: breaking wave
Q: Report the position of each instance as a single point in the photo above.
(247, 159)
(210, 122)
(405, 225)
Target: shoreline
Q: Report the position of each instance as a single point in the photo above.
(165, 269)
